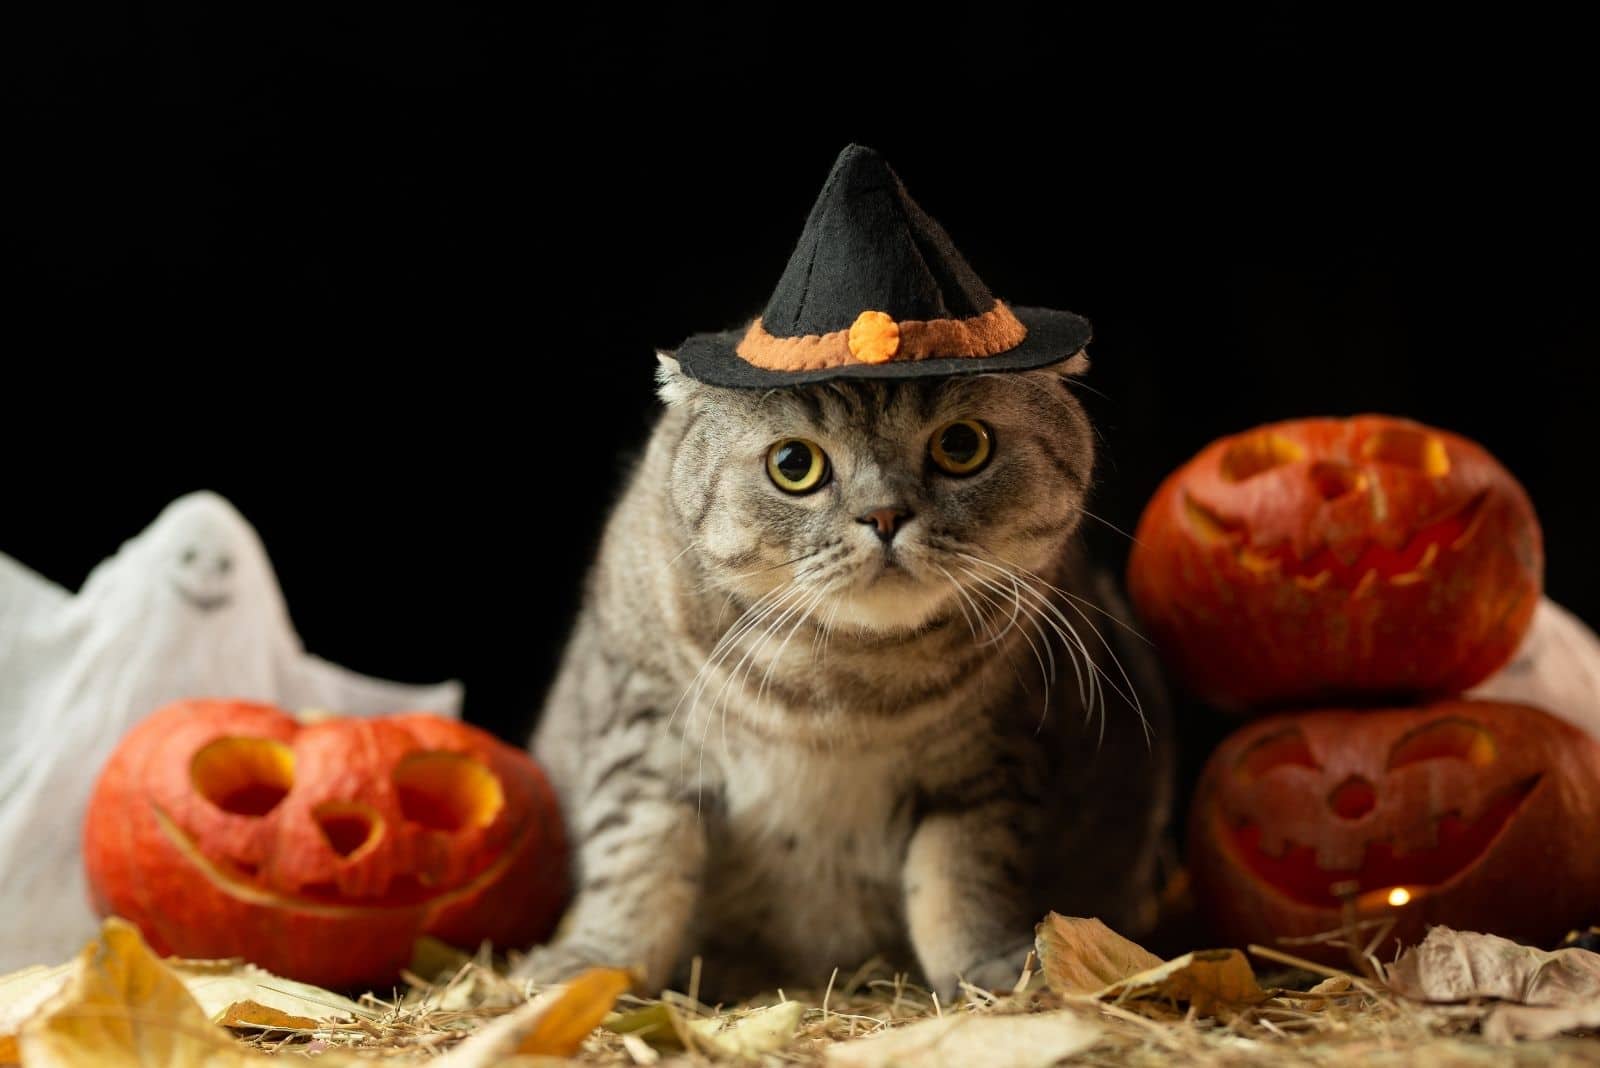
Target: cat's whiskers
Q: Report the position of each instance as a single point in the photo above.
(1106, 522)
(1000, 592)
(800, 592)
(1132, 695)
(1069, 633)
(961, 601)
(749, 619)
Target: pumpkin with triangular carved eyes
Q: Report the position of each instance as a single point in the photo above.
(1320, 560)
(1477, 815)
(322, 851)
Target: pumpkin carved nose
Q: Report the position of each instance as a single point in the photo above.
(1334, 480)
(1353, 798)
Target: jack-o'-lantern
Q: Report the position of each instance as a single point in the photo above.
(1325, 560)
(322, 851)
(1474, 814)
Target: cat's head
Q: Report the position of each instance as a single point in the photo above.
(881, 504)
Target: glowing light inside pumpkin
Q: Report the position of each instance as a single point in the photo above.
(244, 776)
(447, 791)
(1399, 896)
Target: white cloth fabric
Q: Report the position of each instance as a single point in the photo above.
(1557, 669)
(189, 608)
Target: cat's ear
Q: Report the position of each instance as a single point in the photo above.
(672, 385)
(1074, 366)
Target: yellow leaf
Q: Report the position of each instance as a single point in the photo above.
(1211, 980)
(555, 1023)
(962, 1040)
(765, 1030)
(584, 1002)
(220, 986)
(258, 1017)
(21, 994)
(655, 1023)
(1081, 956)
(123, 1006)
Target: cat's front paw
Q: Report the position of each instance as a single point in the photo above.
(998, 974)
(560, 961)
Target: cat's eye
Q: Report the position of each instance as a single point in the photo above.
(796, 465)
(961, 447)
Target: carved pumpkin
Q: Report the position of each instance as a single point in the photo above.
(1474, 814)
(1329, 559)
(322, 851)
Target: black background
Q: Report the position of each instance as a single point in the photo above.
(390, 280)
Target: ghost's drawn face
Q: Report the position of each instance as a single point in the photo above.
(202, 576)
(199, 559)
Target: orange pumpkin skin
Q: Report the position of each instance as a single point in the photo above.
(1328, 560)
(321, 852)
(1485, 813)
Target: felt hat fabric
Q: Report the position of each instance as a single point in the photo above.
(875, 289)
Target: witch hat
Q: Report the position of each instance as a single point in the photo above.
(875, 289)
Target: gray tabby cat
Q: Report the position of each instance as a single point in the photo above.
(837, 690)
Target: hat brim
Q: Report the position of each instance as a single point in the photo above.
(1053, 336)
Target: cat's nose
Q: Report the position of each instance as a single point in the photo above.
(886, 520)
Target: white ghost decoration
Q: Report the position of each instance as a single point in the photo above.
(189, 608)
(1557, 669)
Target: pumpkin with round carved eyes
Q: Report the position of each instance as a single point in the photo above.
(322, 851)
(1324, 560)
(1472, 814)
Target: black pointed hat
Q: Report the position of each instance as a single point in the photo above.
(875, 289)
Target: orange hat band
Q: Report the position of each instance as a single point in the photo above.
(876, 338)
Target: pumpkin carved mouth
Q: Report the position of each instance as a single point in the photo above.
(1403, 566)
(408, 893)
(1459, 845)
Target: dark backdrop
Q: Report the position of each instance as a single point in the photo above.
(391, 280)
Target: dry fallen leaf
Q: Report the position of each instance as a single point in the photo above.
(765, 1030)
(1511, 1023)
(21, 994)
(121, 1005)
(960, 1041)
(254, 1016)
(1553, 991)
(1459, 965)
(553, 1024)
(1209, 980)
(224, 990)
(1081, 956)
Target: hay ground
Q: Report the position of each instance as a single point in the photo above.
(1319, 1017)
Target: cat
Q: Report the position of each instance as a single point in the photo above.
(838, 689)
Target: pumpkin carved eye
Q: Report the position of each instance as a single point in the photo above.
(1406, 447)
(1457, 739)
(1281, 749)
(1259, 452)
(446, 791)
(243, 776)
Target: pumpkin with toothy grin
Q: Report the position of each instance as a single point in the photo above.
(1471, 814)
(1323, 560)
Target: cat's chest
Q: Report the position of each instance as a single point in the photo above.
(806, 853)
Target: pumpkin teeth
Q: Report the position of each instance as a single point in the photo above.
(1315, 582)
(1356, 566)
(1302, 874)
